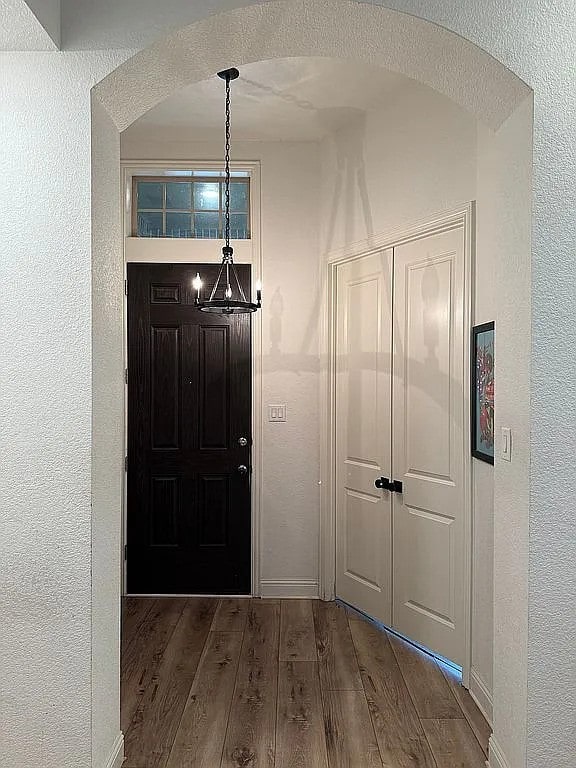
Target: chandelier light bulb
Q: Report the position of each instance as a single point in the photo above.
(197, 282)
(228, 292)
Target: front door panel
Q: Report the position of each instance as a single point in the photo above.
(189, 402)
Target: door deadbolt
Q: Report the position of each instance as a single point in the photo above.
(243, 441)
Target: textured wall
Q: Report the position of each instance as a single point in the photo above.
(45, 410)
(488, 175)
(107, 442)
(482, 673)
(21, 29)
(510, 158)
(391, 167)
(290, 226)
(48, 14)
(281, 29)
(504, 216)
(45, 375)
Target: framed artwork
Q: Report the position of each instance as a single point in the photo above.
(483, 392)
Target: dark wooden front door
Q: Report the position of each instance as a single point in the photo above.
(189, 405)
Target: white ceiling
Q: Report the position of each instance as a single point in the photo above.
(299, 99)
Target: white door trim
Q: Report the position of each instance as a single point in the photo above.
(128, 169)
(462, 216)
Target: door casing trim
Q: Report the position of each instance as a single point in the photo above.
(461, 216)
(127, 168)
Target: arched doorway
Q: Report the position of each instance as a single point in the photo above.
(378, 36)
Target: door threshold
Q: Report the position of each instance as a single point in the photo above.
(183, 594)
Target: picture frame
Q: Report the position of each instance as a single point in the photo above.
(482, 395)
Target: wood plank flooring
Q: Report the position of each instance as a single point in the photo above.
(248, 683)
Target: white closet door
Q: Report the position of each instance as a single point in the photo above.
(429, 442)
(363, 433)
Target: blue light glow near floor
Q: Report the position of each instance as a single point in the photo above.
(454, 668)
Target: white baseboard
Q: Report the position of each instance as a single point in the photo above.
(117, 754)
(481, 695)
(289, 588)
(496, 757)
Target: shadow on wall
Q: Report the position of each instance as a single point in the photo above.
(349, 195)
(345, 129)
(275, 312)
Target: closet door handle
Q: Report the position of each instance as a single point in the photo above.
(395, 486)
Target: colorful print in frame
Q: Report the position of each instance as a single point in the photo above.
(483, 392)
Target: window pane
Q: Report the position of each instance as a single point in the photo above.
(206, 225)
(239, 226)
(150, 194)
(178, 225)
(149, 224)
(179, 195)
(189, 207)
(238, 196)
(206, 196)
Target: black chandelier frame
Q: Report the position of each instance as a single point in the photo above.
(227, 281)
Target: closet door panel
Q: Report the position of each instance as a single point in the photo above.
(429, 442)
(363, 435)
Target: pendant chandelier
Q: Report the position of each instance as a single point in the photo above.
(227, 296)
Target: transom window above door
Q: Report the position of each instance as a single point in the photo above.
(190, 205)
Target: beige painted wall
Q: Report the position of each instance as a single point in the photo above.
(290, 472)
(393, 166)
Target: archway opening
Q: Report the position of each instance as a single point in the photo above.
(498, 125)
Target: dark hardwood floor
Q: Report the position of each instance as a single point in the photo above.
(242, 683)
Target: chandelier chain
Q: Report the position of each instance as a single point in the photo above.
(233, 301)
(227, 165)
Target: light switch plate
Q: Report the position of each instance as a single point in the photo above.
(506, 444)
(276, 413)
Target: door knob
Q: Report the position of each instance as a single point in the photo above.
(243, 469)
